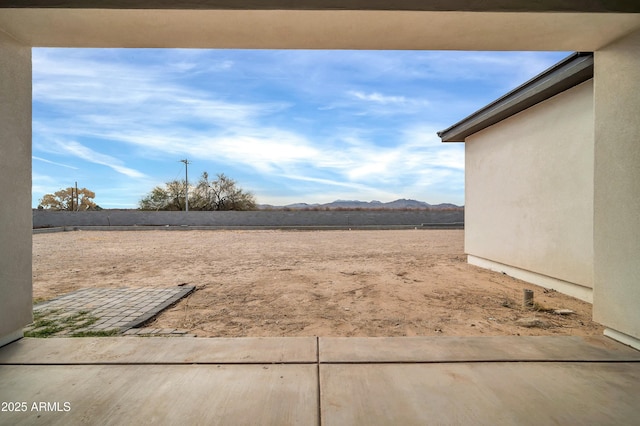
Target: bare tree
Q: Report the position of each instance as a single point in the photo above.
(221, 193)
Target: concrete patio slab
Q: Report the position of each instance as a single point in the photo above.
(134, 350)
(480, 394)
(472, 349)
(167, 394)
(231, 381)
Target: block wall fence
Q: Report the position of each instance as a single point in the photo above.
(110, 218)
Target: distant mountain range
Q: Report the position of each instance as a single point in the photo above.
(362, 205)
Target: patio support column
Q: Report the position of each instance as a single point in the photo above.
(15, 188)
(616, 299)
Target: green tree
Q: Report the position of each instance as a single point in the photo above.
(68, 199)
(221, 193)
(169, 196)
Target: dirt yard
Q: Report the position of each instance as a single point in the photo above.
(306, 283)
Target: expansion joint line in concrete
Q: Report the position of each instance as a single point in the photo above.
(319, 393)
(486, 361)
(318, 364)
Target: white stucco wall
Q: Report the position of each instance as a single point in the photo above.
(529, 193)
(15, 188)
(616, 301)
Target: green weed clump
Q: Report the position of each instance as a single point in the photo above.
(50, 323)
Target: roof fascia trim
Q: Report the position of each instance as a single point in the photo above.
(553, 6)
(566, 74)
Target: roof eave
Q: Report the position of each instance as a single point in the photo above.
(566, 74)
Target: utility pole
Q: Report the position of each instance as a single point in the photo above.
(77, 198)
(186, 180)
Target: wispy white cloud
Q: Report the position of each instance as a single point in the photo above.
(42, 184)
(78, 150)
(379, 98)
(324, 123)
(44, 160)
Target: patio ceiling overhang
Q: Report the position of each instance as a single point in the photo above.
(321, 24)
(431, 5)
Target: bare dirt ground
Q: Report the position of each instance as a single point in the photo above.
(306, 283)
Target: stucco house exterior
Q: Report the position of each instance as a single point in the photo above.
(529, 179)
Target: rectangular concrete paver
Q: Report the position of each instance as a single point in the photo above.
(480, 394)
(163, 395)
(473, 349)
(118, 308)
(241, 350)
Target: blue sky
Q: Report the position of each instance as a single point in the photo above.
(289, 126)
